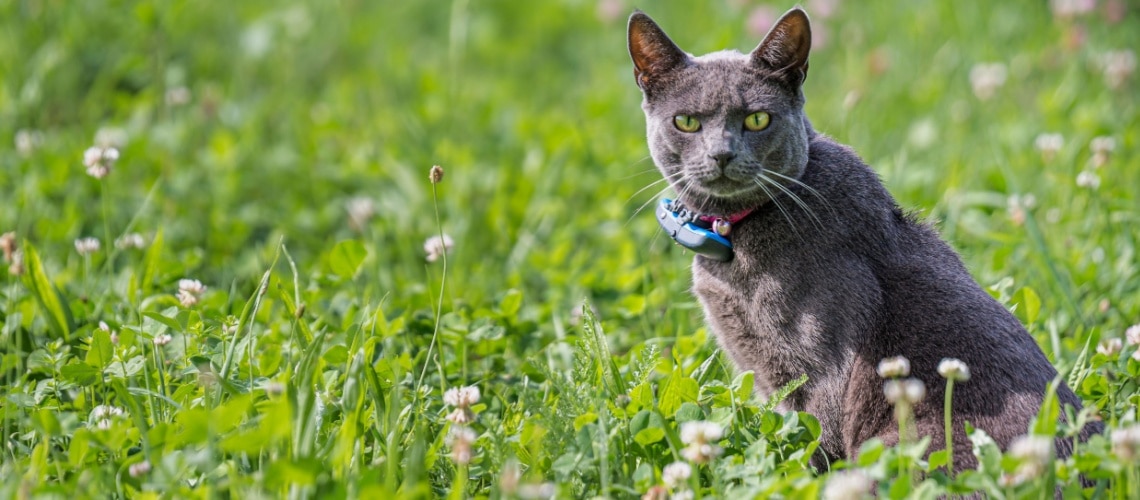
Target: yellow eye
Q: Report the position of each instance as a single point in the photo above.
(757, 121)
(686, 123)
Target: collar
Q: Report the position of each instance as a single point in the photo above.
(705, 234)
(723, 225)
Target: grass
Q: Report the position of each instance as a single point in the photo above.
(248, 130)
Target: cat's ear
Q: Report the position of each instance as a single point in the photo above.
(653, 53)
(785, 48)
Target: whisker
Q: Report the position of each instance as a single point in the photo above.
(642, 190)
(635, 174)
(795, 199)
(681, 179)
(779, 206)
(647, 202)
(806, 187)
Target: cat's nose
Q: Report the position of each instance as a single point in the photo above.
(722, 158)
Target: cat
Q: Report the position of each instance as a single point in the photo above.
(828, 276)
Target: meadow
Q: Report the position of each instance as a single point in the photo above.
(228, 274)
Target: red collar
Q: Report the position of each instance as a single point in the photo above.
(723, 225)
(731, 218)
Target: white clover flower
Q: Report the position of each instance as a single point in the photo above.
(462, 397)
(914, 390)
(114, 335)
(177, 96)
(1118, 67)
(162, 339)
(895, 367)
(274, 388)
(130, 240)
(1102, 144)
(111, 137)
(683, 495)
(360, 210)
(1018, 477)
(192, 286)
(8, 245)
(986, 78)
(609, 11)
(435, 174)
(701, 436)
(760, 20)
(27, 141)
(1102, 148)
(139, 469)
(893, 390)
(102, 416)
(190, 291)
(1088, 179)
(1126, 442)
(87, 246)
(1065, 9)
(910, 391)
(656, 492)
(1018, 206)
(461, 440)
(1110, 347)
(849, 484)
(1133, 334)
(676, 474)
(1034, 452)
(1049, 144)
(17, 266)
(99, 160)
(700, 432)
(536, 490)
(106, 411)
(435, 247)
(461, 416)
(954, 369)
(509, 478)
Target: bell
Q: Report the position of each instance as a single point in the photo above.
(721, 227)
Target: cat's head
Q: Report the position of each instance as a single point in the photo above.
(724, 127)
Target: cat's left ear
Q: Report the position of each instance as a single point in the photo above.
(654, 54)
(785, 48)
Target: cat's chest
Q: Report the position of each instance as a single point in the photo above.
(739, 302)
(753, 320)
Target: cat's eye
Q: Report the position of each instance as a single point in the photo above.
(757, 121)
(686, 123)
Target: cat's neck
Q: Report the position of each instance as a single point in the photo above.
(811, 133)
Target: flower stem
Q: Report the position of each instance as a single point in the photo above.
(439, 306)
(949, 428)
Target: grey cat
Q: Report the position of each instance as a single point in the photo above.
(829, 275)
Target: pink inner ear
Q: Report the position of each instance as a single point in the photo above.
(787, 44)
(652, 51)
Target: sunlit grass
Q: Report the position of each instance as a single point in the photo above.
(239, 301)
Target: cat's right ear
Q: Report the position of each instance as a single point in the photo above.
(785, 49)
(653, 53)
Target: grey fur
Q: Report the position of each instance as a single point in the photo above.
(830, 276)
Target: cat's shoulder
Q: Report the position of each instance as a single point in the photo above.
(833, 163)
(822, 147)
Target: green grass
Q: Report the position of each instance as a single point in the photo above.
(246, 129)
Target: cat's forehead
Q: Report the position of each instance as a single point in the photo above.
(720, 82)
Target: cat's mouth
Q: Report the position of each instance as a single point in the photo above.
(723, 186)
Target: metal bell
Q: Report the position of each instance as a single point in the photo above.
(721, 227)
